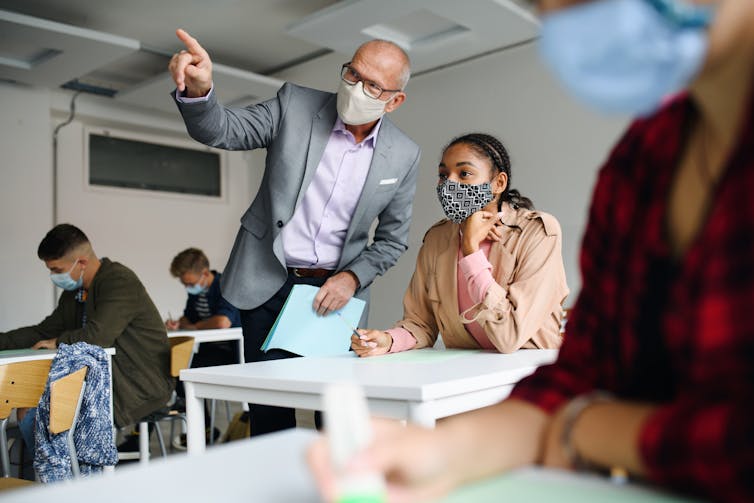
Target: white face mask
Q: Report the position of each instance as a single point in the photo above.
(355, 107)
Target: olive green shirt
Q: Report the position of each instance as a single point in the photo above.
(119, 314)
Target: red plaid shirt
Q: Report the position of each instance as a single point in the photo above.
(696, 358)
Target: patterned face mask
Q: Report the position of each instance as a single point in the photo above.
(460, 200)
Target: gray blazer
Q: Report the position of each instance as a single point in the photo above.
(294, 127)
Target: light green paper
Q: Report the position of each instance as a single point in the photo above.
(537, 486)
(15, 352)
(425, 356)
(363, 498)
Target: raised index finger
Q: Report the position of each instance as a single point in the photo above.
(190, 42)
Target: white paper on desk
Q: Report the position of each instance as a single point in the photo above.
(300, 330)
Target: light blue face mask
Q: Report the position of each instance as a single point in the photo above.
(626, 56)
(195, 289)
(65, 281)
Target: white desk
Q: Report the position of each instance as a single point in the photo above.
(420, 386)
(213, 335)
(28, 355)
(272, 469)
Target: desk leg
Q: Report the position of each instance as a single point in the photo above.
(242, 359)
(420, 416)
(194, 421)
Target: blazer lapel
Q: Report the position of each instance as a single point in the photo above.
(322, 125)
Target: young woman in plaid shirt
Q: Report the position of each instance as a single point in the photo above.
(656, 373)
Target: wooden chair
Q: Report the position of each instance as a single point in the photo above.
(181, 352)
(21, 385)
(65, 402)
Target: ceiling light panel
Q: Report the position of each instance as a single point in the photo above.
(44, 53)
(433, 32)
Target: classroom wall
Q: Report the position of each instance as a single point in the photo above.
(141, 229)
(25, 203)
(556, 146)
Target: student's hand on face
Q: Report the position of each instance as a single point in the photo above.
(191, 69)
(46, 344)
(475, 229)
(335, 293)
(371, 342)
(495, 234)
(172, 324)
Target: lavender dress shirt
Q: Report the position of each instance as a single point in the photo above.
(315, 235)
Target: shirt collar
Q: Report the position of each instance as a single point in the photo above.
(340, 127)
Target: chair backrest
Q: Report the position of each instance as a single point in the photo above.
(21, 384)
(181, 351)
(65, 400)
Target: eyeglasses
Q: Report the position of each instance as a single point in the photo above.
(370, 87)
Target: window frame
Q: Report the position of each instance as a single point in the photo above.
(159, 140)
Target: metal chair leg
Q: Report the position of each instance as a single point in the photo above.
(160, 440)
(4, 457)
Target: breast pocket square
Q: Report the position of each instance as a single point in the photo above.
(388, 181)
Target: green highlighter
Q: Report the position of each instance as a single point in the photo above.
(349, 431)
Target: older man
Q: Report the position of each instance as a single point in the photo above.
(334, 165)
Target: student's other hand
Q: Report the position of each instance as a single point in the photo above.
(191, 69)
(413, 460)
(172, 324)
(371, 342)
(476, 229)
(46, 344)
(335, 293)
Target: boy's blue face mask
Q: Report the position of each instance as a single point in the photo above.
(195, 289)
(65, 281)
(625, 56)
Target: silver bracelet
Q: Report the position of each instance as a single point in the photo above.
(571, 414)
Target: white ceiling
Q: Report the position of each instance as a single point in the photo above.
(249, 40)
(248, 34)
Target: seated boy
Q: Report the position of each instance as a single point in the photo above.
(103, 303)
(205, 308)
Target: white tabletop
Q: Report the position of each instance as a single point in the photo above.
(268, 469)
(211, 335)
(272, 469)
(27, 355)
(422, 377)
(420, 386)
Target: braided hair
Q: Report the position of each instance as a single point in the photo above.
(492, 148)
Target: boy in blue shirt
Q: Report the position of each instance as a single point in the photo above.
(205, 309)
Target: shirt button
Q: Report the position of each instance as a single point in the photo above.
(280, 224)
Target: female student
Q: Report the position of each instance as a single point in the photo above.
(490, 276)
(656, 373)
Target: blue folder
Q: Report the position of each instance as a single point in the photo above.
(300, 330)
